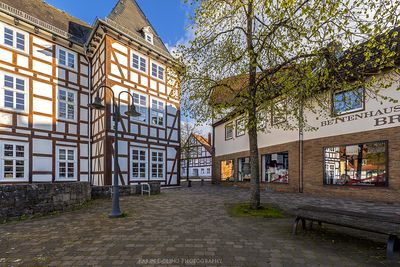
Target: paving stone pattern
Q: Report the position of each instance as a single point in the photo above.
(185, 227)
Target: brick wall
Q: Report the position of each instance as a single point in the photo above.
(29, 199)
(313, 166)
(293, 150)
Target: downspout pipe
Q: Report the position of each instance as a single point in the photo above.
(89, 114)
(301, 150)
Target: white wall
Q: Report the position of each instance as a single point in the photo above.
(378, 114)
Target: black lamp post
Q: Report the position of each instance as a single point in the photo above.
(116, 211)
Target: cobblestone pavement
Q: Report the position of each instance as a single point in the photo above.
(182, 227)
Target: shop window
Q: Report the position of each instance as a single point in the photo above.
(226, 170)
(276, 167)
(244, 169)
(348, 101)
(229, 131)
(359, 164)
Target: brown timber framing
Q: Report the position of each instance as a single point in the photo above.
(75, 133)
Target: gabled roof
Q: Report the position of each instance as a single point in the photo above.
(38, 9)
(129, 15)
(203, 141)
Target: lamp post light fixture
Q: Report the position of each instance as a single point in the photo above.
(96, 104)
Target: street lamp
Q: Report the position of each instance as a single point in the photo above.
(96, 104)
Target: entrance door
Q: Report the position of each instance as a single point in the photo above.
(226, 170)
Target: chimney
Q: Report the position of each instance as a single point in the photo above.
(209, 138)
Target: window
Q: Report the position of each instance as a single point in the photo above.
(202, 171)
(348, 101)
(229, 131)
(14, 38)
(208, 170)
(66, 58)
(140, 102)
(244, 169)
(359, 164)
(139, 163)
(139, 62)
(66, 104)
(157, 164)
(14, 161)
(13, 93)
(157, 71)
(279, 112)
(240, 127)
(66, 163)
(149, 37)
(226, 170)
(276, 167)
(157, 112)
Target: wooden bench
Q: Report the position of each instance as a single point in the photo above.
(381, 224)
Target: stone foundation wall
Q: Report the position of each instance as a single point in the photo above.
(124, 190)
(29, 199)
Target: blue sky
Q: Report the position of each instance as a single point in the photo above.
(168, 17)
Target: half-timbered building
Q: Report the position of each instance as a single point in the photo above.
(52, 66)
(196, 157)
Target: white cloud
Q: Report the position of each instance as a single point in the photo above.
(189, 35)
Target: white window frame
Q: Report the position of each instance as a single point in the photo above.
(149, 38)
(158, 111)
(139, 161)
(140, 57)
(67, 103)
(15, 31)
(14, 158)
(230, 124)
(158, 67)
(139, 106)
(240, 127)
(58, 161)
(67, 54)
(334, 113)
(157, 162)
(14, 90)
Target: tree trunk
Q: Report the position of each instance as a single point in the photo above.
(254, 163)
(252, 110)
(187, 169)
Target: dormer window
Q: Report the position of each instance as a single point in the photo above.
(149, 38)
(148, 35)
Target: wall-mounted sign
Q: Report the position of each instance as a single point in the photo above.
(381, 117)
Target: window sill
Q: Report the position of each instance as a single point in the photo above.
(24, 52)
(140, 71)
(158, 79)
(67, 68)
(22, 112)
(65, 120)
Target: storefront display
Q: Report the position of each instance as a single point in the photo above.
(359, 164)
(244, 169)
(276, 167)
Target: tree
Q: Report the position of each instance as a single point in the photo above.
(187, 129)
(246, 53)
